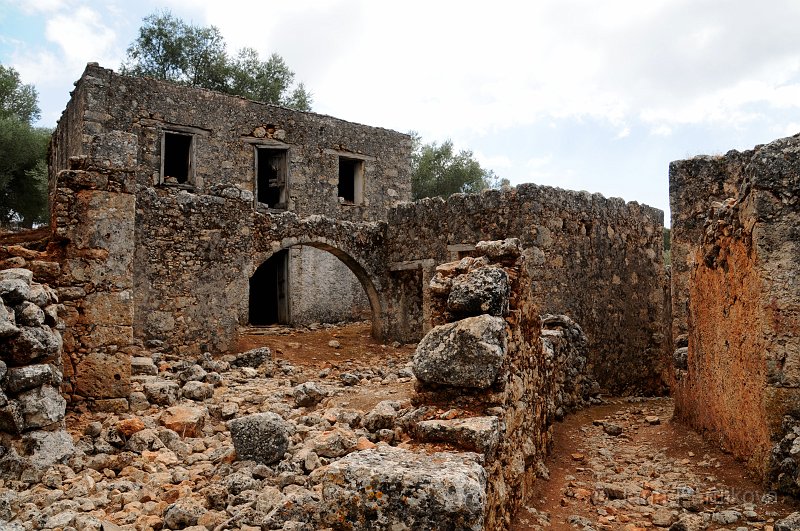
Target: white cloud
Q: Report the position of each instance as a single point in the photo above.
(40, 6)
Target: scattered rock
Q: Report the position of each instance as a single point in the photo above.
(186, 421)
(262, 437)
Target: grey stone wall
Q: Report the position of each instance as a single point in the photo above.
(193, 246)
(322, 289)
(594, 259)
(737, 366)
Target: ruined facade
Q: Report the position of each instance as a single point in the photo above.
(165, 261)
(165, 200)
(736, 302)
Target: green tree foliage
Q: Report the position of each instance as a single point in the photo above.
(23, 152)
(17, 100)
(169, 48)
(436, 170)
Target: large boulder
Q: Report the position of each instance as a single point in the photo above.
(31, 344)
(467, 353)
(483, 290)
(262, 437)
(392, 488)
(41, 407)
(21, 379)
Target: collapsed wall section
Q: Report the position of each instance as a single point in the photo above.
(597, 260)
(736, 222)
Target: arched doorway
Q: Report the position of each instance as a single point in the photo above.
(270, 296)
(269, 301)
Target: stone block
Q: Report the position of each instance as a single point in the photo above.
(103, 375)
(262, 437)
(467, 353)
(404, 489)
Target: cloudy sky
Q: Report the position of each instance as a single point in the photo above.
(580, 94)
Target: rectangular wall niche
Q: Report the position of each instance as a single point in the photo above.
(351, 181)
(271, 177)
(177, 158)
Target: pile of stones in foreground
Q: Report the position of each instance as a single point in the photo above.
(31, 406)
(244, 442)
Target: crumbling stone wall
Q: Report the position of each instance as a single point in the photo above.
(736, 222)
(597, 260)
(186, 250)
(32, 409)
(491, 358)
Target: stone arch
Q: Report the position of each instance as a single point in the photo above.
(370, 283)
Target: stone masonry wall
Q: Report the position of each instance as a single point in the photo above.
(736, 222)
(182, 254)
(491, 359)
(597, 260)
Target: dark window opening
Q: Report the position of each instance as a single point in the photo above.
(271, 177)
(177, 158)
(269, 303)
(350, 180)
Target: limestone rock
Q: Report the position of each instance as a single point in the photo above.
(467, 353)
(262, 437)
(252, 358)
(21, 379)
(308, 394)
(382, 416)
(198, 391)
(32, 344)
(46, 448)
(182, 514)
(14, 290)
(790, 523)
(417, 490)
(29, 314)
(480, 291)
(334, 443)
(186, 421)
(161, 392)
(481, 434)
(41, 407)
(7, 323)
(143, 366)
(500, 249)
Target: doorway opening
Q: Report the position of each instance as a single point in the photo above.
(269, 303)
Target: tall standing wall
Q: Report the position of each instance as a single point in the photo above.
(736, 294)
(597, 260)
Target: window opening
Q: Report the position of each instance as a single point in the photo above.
(351, 180)
(176, 158)
(271, 181)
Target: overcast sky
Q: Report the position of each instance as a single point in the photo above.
(580, 94)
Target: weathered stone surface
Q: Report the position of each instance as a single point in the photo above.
(22, 274)
(481, 291)
(143, 366)
(182, 514)
(417, 490)
(161, 392)
(41, 407)
(8, 325)
(197, 391)
(790, 523)
(31, 344)
(29, 314)
(104, 375)
(334, 443)
(14, 290)
(262, 437)
(252, 358)
(24, 378)
(467, 353)
(382, 416)
(480, 434)
(308, 394)
(186, 421)
(45, 448)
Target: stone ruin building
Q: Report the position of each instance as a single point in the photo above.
(182, 216)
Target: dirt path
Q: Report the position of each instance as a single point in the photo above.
(652, 475)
